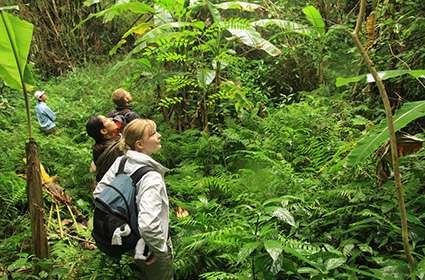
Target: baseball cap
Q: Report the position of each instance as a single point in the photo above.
(38, 94)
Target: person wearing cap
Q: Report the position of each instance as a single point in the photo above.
(45, 116)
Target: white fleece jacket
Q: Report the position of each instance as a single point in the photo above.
(151, 199)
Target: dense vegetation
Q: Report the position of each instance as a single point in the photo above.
(255, 131)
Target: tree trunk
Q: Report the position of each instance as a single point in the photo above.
(35, 201)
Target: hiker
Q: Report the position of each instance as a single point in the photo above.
(121, 99)
(45, 116)
(139, 141)
(105, 149)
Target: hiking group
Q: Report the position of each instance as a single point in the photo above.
(131, 201)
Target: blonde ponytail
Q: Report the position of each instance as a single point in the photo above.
(122, 145)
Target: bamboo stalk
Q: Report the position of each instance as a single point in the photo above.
(59, 221)
(73, 219)
(50, 217)
(391, 130)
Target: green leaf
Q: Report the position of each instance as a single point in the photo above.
(284, 215)
(366, 248)
(376, 137)
(119, 9)
(384, 75)
(341, 81)
(313, 272)
(274, 248)
(284, 24)
(17, 36)
(247, 250)
(214, 11)
(315, 18)
(252, 38)
(164, 30)
(302, 257)
(334, 263)
(19, 264)
(205, 77)
(236, 5)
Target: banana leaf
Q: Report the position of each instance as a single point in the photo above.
(315, 18)
(252, 38)
(342, 81)
(378, 136)
(15, 41)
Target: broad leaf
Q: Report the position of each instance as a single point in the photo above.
(18, 37)
(334, 263)
(274, 248)
(252, 38)
(302, 257)
(341, 81)
(284, 215)
(314, 17)
(244, 6)
(158, 33)
(247, 250)
(205, 77)
(285, 24)
(375, 138)
(119, 9)
(214, 11)
(162, 16)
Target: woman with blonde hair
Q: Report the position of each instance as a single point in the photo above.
(139, 141)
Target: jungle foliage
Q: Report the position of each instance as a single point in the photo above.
(259, 138)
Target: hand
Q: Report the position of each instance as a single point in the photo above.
(150, 260)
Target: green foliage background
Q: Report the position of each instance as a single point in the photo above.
(267, 188)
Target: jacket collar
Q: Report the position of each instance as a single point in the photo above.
(147, 160)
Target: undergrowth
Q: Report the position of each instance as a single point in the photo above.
(267, 198)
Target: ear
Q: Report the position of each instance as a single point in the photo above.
(139, 145)
(103, 131)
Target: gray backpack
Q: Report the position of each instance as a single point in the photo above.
(115, 207)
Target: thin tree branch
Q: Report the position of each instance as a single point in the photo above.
(391, 130)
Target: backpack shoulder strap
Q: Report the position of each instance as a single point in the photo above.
(139, 173)
(121, 166)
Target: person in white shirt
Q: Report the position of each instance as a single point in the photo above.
(45, 116)
(139, 141)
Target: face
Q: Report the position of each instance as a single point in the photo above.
(150, 143)
(109, 129)
(43, 97)
(128, 98)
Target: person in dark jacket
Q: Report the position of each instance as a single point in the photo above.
(105, 149)
(121, 99)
